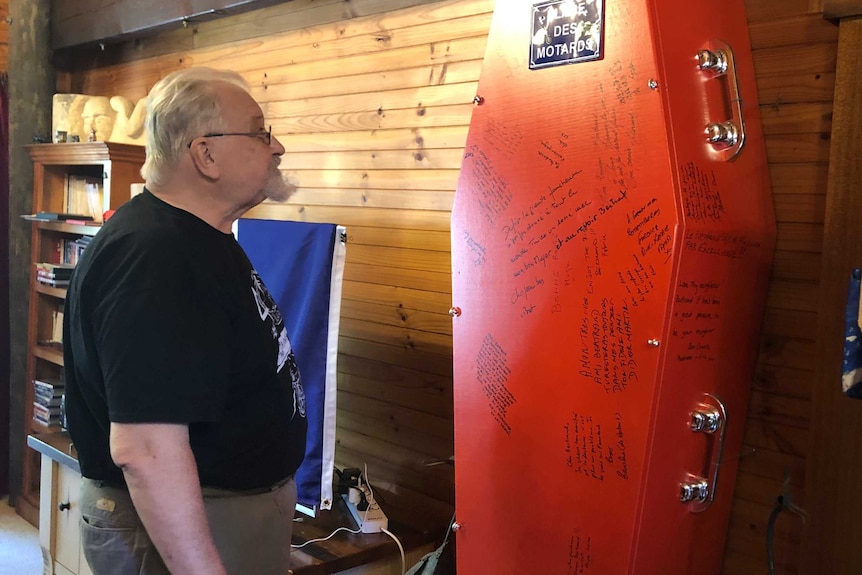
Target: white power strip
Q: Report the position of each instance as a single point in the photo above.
(370, 520)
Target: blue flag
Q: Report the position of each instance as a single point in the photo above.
(302, 265)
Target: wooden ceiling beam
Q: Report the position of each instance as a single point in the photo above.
(838, 9)
(83, 22)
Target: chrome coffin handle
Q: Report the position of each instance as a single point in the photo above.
(727, 137)
(708, 417)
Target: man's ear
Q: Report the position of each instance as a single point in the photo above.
(203, 159)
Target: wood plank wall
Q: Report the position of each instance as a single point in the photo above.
(374, 110)
(794, 57)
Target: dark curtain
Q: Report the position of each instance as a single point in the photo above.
(4, 285)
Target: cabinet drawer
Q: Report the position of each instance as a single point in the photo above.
(67, 513)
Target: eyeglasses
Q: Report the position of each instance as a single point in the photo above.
(264, 134)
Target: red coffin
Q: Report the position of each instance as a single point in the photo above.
(612, 238)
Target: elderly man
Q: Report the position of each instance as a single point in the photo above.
(183, 397)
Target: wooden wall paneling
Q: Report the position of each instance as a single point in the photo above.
(428, 448)
(808, 87)
(286, 17)
(771, 463)
(327, 45)
(414, 98)
(422, 179)
(405, 447)
(788, 265)
(780, 380)
(397, 336)
(416, 139)
(782, 410)
(834, 465)
(749, 550)
(800, 237)
(759, 489)
(439, 159)
(835, 9)
(350, 216)
(425, 392)
(765, 435)
(806, 208)
(404, 238)
(749, 536)
(441, 52)
(796, 59)
(437, 46)
(804, 29)
(396, 296)
(386, 275)
(738, 563)
(437, 323)
(801, 296)
(415, 116)
(374, 198)
(755, 516)
(796, 118)
(305, 14)
(759, 10)
(790, 323)
(787, 352)
(396, 355)
(798, 178)
(439, 74)
(411, 259)
(242, 55)
(798, 148)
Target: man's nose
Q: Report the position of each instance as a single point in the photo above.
(278, 149)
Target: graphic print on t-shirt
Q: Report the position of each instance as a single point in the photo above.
(268, 310)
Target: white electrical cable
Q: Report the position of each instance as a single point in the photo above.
(354, 531)
(400, 548)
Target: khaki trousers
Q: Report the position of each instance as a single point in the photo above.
(251, 532)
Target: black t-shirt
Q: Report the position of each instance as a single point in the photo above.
(166, 321)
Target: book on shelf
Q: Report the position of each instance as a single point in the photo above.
(53, 275)
(57, 331)
(45, 412)
(84, 196)
(46, 416)
(52, 421)
(48, 267)
(48, 400)
(52, 402)
(58, 217)
(56, 275)
(52, 282)
(48, 387)
(54, 272)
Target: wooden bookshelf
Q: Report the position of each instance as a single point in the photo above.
(117, 166)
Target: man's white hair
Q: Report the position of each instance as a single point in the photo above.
(181, 107)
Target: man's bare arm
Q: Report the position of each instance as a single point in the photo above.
(162, 476)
